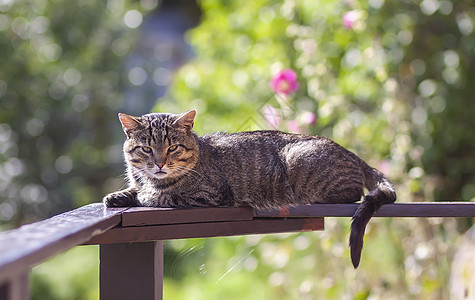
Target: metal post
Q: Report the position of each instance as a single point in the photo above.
(131, 271)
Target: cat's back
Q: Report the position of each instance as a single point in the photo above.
(254, 139)
(273, 167)
(253, 163)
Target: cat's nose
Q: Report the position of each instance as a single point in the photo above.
(160, 165)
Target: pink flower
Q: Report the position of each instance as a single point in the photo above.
(284, 82)
(308, 118)
(385, 167)
(294, 126)
(272, 116)
(350, 18)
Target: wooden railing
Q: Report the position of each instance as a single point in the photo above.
(131, 239)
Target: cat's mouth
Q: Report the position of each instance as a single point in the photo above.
(160, 174)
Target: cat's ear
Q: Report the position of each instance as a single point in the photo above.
(129, 123)
(186, 120)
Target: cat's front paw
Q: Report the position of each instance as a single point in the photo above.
(120, 199)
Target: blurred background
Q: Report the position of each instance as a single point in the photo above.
(391, 80)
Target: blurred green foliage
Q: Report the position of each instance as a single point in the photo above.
(395, 85)
(60, 88)
(72, 275)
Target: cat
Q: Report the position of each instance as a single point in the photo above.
(168, 165)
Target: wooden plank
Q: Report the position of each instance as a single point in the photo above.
(16, 288)
(413, 209)
(31, 244)
(140, 216)
(196, 230)
(4, 290)
(131, 271)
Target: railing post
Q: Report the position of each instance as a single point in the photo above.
(131, 271)
(16, 287)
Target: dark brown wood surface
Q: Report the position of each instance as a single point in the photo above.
(140, 216)
(413, 209)
(27, 246)
(17, 287)
(196, 230)
(131, 271)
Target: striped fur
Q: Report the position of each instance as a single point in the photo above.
(168, 165)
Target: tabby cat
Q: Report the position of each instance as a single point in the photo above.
(168, 165)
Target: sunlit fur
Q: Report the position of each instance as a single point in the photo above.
(160, 136)
(168, 165)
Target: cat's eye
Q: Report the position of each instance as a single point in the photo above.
(172, 148)
(146, 149)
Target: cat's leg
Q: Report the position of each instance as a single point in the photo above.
(124, 198)
(151, 198)
(154, 198)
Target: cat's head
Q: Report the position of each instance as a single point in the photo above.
(160, 145)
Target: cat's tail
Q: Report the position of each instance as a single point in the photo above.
(381, 191)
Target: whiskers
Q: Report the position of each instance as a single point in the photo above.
(189, 172)
(123, 179)
(140, 174)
